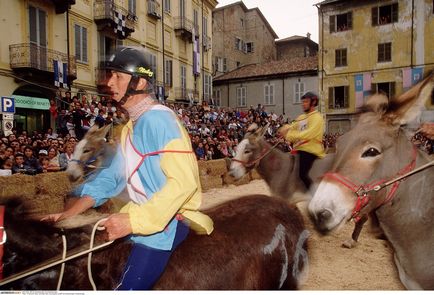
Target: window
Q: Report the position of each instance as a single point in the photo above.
(80, 43)
(249, 47)
(153, 67)
(183, 78)
(238, 64)
(382, 15)
(341, 57)
(204, 27)
(341, 22)
(37, 26)
(239, 44)
(207, 86)
(168, 73)
(306, 51)
(220, 64)
(241, 97)
(182, 8)
(242, 22)
(387, 88)
(298, 91)
(217, 95)
(195, 18)
(269, 94)
(132, 7)
(384, 52)
(338, 97)
(167, 5)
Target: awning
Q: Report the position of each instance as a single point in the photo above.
(30, 102)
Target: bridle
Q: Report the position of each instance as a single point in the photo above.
(253, 163)
(362, 191)
(89, 164)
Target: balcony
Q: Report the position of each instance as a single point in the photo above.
(206, 42)
(35, 62)
(114, 19)
(154, 9)
(184, 28)
(62, 6)
(185, 95)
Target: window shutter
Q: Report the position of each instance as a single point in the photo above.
(84, 45)
(32, 24)
(346, 90)
(266, 94)
(392, 90)
(394, 12)
(225, 68)
(42, 28)
(344, 57)
(332, 23)
(374, 16)
(77, 42)
(331, 98)
(271, 94)
(253, 47)
(350, 20)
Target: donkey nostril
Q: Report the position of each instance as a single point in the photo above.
(324, 215)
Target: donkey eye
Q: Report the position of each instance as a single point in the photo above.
(371, 152)
(86, 151)
(247, 151)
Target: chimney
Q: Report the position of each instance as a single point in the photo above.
(308, 35)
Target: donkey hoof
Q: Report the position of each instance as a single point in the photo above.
(349, 244)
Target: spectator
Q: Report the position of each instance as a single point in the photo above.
(66, 156)
(30, 162)
(18, 166)
(53, 159)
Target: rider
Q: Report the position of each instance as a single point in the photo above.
(156, 163)
(306, 134)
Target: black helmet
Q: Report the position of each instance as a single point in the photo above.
(130, 60)
(313, 97)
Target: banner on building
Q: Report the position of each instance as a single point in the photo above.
(411, 76)
(362, 86)
(120, 23)
(196, 54)
(60, 74)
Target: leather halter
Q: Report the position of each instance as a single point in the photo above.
(253, 163)
(362, 191)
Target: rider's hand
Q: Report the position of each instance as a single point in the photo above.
(283, 130)
(117, 226)
(55, 217)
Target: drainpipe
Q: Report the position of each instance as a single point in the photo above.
(67, 48)
(228, 94)
(164, 60)
(283, 95)
(412, 34)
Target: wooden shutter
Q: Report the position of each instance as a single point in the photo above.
(350, 20)
(77, 42)
(346, 100)
(394, 9)
(84, 44)
(331, 97)
(32, 24)
(374, 16)
(42, 28)
(332, 23)
(225, 67)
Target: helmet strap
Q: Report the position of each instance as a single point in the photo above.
(131, 89)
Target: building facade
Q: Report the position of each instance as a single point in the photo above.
(82, 33)
(277, 85)
(371, 46)
(241, 36)
(296, 46)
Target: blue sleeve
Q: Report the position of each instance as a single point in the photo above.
(108, 183)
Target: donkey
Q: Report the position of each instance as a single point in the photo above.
(259, 242)
(368, 159)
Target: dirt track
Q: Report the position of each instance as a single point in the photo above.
(369, 266)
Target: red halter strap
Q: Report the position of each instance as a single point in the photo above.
(252, 163)
(362, 190)
(2, 238)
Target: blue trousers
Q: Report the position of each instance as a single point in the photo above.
(145, 264)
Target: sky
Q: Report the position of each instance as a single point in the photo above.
(286, 17)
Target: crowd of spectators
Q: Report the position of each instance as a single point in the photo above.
(215, 132)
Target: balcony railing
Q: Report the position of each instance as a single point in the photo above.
(154, 9)
(184, 28)
(31, 56)
(105, 17)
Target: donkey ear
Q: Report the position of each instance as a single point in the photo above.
(407, 108)
(377, 103)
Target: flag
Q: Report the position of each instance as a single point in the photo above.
(358, 86)
(367, 82)
(120, 23)
(196, 56)
(416, 75)
(406, 78)
(60, 74)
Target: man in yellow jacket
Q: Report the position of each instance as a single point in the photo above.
(157, 165)
(306, 135)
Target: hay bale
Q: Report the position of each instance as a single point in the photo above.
(55, 184)
(217, 167)
(44, 204)
(17, 185)
(210, 182)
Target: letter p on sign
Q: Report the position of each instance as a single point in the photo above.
(7, 105)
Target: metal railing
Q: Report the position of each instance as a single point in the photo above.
(28, 55)
(104, 9)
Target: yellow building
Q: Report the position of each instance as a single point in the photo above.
(369, 46)
(36, 32)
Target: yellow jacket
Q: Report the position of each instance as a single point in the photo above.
(306, 133)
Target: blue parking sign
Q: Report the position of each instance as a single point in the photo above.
(7, 105)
